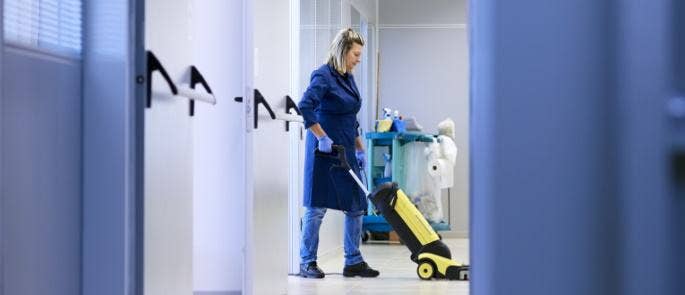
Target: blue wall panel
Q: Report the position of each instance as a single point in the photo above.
(576, 187)
(41, 170)
(543, 210)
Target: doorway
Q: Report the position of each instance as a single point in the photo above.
(416, 60)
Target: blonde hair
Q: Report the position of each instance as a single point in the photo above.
(340, 46)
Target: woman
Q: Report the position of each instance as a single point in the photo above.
(329, 107)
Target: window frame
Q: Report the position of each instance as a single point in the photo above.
(46, 49)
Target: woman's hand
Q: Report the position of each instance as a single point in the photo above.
(360, 155)
(325, 144)
(361, 159)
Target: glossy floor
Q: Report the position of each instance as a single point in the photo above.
(398, 274)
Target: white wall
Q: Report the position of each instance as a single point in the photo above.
(218, 188)
(367, 8)
(402, 12)
(424, 73)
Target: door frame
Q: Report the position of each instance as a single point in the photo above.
(126, 146)
(246, 165)
(294, 159)
(2, 196)
(296, 138)
(138, 205)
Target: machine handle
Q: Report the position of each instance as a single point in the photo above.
(338, 152)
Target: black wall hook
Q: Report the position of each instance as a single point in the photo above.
(153, 64)
(259, 99)
(196, 77)
(290, 104)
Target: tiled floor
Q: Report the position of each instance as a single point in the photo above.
(398, 274)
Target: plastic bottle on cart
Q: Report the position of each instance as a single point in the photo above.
(387, 172)
(387, 113)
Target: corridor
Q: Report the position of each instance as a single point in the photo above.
(398, 274)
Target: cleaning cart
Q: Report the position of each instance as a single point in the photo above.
(387, 163)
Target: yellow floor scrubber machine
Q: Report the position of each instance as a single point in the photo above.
(427, 250)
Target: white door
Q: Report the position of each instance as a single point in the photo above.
(218, 151)
(267, 207)
(168, 216)
(195, 175)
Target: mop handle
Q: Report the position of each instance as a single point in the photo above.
(359, 182)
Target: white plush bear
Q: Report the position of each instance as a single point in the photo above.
(442, 156)
(448, 149)
(446, 127)
(446, 138)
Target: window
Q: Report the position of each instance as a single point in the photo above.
(51, 25)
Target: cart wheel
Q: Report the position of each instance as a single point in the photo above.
(426, 269)
(365, 237)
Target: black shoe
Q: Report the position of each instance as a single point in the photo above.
(310, 270)
(360, 269)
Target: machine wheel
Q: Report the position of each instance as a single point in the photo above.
(426, 269)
